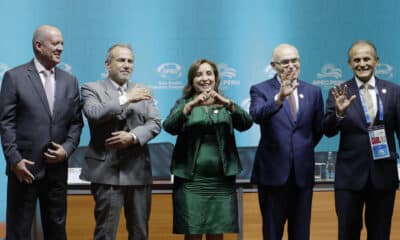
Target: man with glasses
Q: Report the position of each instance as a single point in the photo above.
(289, 112)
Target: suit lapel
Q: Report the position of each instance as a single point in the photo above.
(382, 92)
(59, 88)
(34, 77)
(110, 90)
(353, 90)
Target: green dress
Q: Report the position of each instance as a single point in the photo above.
(207, 202)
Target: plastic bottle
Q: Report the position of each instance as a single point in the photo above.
(330, 166)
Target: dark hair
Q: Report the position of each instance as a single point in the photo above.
(362, 42)
(188, 90)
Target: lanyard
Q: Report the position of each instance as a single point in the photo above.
(364, 106)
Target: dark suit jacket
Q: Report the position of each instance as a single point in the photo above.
(354, 159)
(27, 124)
(284, 143)
(129, 166)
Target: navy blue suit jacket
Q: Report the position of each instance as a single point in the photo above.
(354, 159)
(286, 143)
(27, 124)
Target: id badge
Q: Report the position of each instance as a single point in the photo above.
(378, 142)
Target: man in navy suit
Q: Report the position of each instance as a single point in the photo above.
(289, 112)
(367, 118)
(40, 122)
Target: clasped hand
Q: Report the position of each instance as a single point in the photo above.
(119, 140)
(137, 94)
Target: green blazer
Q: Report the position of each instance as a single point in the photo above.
(189, 136)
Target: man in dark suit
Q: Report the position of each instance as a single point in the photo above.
(367, 117)
(122, 119)
(41, 122)
(289, 112)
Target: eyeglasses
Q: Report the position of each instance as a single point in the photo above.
(286, 62)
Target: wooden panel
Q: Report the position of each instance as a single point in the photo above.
(2, 230)
(80, 221)
(323, 218)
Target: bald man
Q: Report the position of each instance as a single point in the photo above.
(289, 112)
(366, 176)
(41, 122)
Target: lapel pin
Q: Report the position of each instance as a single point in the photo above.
(384, 90)
(215, 111)
(301, 96)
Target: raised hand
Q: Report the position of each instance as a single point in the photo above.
(342, 102)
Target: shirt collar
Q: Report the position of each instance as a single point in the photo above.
(40, 68)
(371, 82)
(117, 86)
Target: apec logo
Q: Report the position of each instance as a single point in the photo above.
(170, 71)
(269, 70)
(384, 70)
(66, 67)
(3, 68)
(330, 71)
(329, 76)
(227, 75)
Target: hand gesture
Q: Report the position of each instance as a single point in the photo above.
(203, 98)
(55, 153)
(137, 94)
(287, 87)
(342, 102)
(119, 140)
(22, 173)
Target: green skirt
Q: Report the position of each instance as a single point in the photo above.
(208, 202)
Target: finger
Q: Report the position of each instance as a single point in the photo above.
(29, 174)
(345, 88)
(352, 98)
(49, 156)
(55, 145)
(111, 139)
(29, 162)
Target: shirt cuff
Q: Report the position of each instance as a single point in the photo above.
(277, 101)
(133, 137)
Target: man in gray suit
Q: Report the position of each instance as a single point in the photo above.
(122, 119)
(41, 122)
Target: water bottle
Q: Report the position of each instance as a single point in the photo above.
(330, 166)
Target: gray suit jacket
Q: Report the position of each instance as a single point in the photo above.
(129, 166)
(27, 124)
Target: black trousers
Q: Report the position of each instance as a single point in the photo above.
(110, 199)
(289, 203)
(378, 206)
(21, 206)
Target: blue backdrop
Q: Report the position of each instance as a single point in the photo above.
(167, 36)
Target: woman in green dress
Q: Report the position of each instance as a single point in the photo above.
(205, 161)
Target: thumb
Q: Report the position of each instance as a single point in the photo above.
(29, 162)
